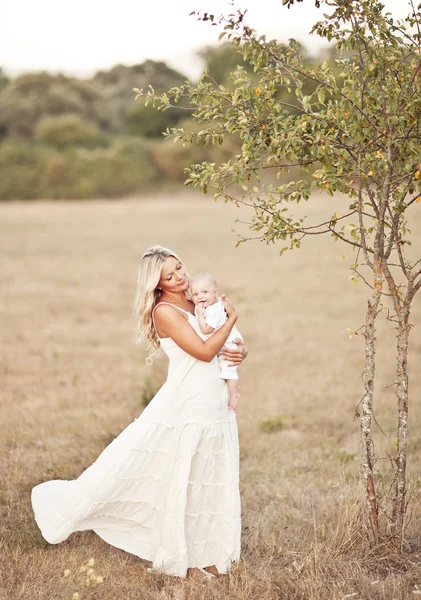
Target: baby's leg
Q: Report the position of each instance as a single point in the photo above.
(234, 390)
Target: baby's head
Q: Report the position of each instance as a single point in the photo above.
(203, 289)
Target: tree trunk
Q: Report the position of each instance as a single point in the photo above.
(367, 449)
(399, 484)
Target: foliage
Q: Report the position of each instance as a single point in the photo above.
(116, 85)
(30, 97)
(352, 145)
(59, 115)
(67, 131)
(35, 170)
(65, 138)
(149, 123)
(172, 160)
(222, 60)
(104, 101)
(22, 170)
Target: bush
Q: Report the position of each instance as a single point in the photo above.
(171, 159)
(22, 168)
(100, 173)
(223, 59)
(35, 170)
(69, 130)
(33, 96)
(149, 122)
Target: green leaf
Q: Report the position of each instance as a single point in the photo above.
(321, 94)
(237, 94)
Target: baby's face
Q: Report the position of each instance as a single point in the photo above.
(204, 290)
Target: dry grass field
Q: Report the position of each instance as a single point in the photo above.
(72, 379)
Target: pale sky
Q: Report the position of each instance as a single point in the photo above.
(83, 36)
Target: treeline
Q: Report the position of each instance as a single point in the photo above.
(61, 137)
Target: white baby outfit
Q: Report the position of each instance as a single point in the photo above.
(215, 316)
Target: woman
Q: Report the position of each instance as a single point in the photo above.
(166, 489)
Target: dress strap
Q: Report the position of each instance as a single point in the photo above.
(169, 304)
(177, 307)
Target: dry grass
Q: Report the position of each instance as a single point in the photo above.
(72, 379)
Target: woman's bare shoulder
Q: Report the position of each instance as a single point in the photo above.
(163, 315)
(164, 311)
(162, 308)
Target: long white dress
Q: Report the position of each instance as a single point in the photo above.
(166, 489)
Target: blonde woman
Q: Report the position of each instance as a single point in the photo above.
(166, 489)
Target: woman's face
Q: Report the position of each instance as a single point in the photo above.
(173, 276)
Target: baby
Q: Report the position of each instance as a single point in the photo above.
(211, 316)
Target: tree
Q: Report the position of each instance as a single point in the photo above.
(30, 97)
(115, 86)
(146, 122)
(67, 131)
(221, 60)
(357, 133)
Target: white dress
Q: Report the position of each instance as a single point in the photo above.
(166, 489)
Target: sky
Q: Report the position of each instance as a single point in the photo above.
(83, 36)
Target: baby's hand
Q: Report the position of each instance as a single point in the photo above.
(200, 309)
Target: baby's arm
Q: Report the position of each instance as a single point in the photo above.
(200, 313)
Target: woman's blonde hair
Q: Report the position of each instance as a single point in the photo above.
(147, 296)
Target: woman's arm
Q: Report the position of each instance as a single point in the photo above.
(174, 325)
(235, 357)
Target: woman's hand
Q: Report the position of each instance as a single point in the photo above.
(229, 308)
(234, 357)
